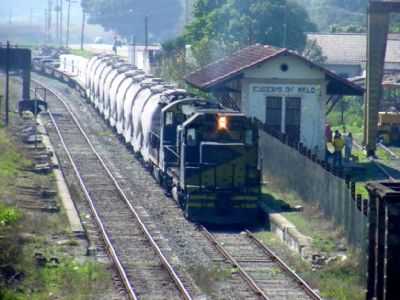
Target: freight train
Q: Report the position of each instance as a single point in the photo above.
(203, 154)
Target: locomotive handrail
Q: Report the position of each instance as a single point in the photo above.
(170, 149)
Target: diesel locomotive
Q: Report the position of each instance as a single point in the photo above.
(203, 154)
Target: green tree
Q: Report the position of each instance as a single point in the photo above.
(126, 17)
(221, 27)
(314, 52)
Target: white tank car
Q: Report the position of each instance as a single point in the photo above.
(103, 71)
(92, 64)
(83, 62)
(128, 107)
(104, 102)
(115, 89)
(67, 64)
(93, 82)
(102, 79)
(141, 99)
(75, 66)
(148, 118)
(88, 70)
(122, 98)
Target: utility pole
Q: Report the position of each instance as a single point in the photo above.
(7, 83)
(146, 44)
(57, 10)
(146, 32)
(68, 22)
(61, 22)
(186, 12)
(83, 28)
(10, 17)
(285, 26)
(50, 19)
(46, 23)
(134, 50)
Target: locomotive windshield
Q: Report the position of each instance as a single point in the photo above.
(223, 129)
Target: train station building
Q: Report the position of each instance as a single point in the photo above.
(280, 88)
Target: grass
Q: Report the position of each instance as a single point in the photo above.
(309, 222)
(340, 280)
(84, 53)
(368, 171)
(68, 280)
(24, 232)
(207, 278)
(11, 162)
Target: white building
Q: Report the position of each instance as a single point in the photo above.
(283, 90)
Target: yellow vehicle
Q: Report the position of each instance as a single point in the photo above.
(389, 127)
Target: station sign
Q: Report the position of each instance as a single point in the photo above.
(286, 89)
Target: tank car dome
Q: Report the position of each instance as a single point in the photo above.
(157, 89)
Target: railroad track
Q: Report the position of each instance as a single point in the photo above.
(265, 273)
(235, 283)
(143, 268)
(384, 169)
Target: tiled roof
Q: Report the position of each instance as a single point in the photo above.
(349, 48)
(231, 66)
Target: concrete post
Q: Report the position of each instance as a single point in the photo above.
(378, 24)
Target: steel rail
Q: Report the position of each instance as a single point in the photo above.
(110, 248)
(310, 292)
(377, 163)
(392, 154)
(163, 259)
(234, 262)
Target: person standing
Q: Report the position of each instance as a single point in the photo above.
(328, 139)
(338, 144)
(328, 133)
(348, 146)
(115, 45)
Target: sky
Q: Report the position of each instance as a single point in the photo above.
(20, 10)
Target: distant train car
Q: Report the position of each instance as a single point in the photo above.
(205, 155)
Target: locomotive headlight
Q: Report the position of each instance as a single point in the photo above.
(222, 123)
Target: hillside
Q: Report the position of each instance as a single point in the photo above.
(342, 13)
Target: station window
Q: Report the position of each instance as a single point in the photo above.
(283, 114)
(273, 117)
(293, 117)
(284, 67)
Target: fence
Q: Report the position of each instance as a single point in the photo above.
(294, 168)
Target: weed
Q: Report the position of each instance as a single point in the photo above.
(207, 278)
(83, 53)
(339, 280)
(9, 215)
